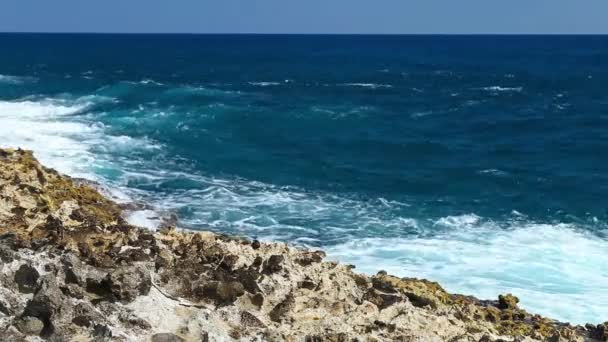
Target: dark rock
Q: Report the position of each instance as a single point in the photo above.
(70, 276)
(127, 283)
(135, 322)
(73, 291)
(166, 337)
(280, 311)
(85, 315)
(360, 280)
(134, 255)
(99, 287)
(29, 325)
(256, 244)
(4, 308)
(599, 332)
(382, 285)
(307, 284)
(6, 253)
(420, 301)
(249, 320)
(330, 337)
(381, 300)
(507, 301)
(249, 280)
(257, 300)
(308, 258)
(47, 303)
(486, 338)
(221, 292)
(385, 326)
(26, 278)
(273, 264)
(102, 330)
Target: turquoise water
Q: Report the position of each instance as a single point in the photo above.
(475, 161)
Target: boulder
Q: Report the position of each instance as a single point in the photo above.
(507, 301)
(26, 278)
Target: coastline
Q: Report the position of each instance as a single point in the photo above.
(74, 269)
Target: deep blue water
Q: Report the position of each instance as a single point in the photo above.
(478, 161)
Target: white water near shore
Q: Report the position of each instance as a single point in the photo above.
(557, 269)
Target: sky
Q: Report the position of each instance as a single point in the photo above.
(305, 16)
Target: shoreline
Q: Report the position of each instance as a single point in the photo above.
(73, 268)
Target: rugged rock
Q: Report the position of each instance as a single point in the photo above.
(72, 269)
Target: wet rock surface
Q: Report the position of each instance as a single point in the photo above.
(72, 269)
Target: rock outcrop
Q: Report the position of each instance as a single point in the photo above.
(72, 269)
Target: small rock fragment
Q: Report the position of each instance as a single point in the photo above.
(249, 320)
(29, 325)
(166, 337)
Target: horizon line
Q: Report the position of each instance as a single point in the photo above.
(302, 34)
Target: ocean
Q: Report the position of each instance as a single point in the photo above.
(480, 162)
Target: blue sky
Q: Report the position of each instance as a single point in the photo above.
(305, 16)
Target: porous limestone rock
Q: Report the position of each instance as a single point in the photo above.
(72, 269)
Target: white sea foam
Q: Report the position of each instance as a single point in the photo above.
(35, 125)
(494, 172)
(149, 81)
(264, 84)
(556, 269)
(8, 79)
(366, 85)
(60, 141)
(144, 218)
(502, 89)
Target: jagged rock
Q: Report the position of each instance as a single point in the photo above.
(222, 292)
(280, 311)
(507, 301)
(249, 320)
(103, 279)
(85, 315)
(4, 308)
(419, 301)
(308, 258)
(129, 282)
(337, 337)
(101, 330)
(47, 303)
(26, 278)
(29, 325)
(273, 264)
(380, 299)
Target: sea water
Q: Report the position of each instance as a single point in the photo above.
(480, 162)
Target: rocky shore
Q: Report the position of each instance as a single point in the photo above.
(72, 269)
